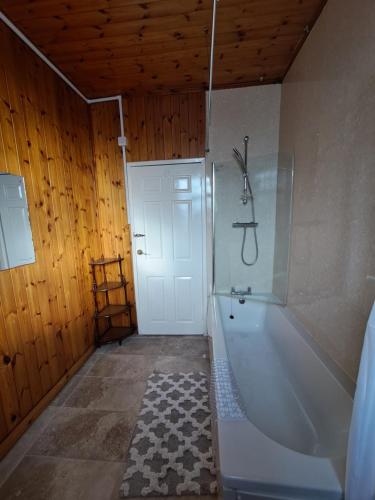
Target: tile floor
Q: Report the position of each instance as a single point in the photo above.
(76, 449)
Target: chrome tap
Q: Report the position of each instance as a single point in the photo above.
(241, 293)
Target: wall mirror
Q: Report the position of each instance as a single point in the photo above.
(16, 242)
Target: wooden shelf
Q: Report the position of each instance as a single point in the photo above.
(103, 316)
(113, 310)
(116, 333)
(108, 285)
(103, 261)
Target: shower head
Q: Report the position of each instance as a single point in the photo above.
(242, 163)
(240, 160)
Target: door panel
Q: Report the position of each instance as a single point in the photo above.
(168, 259)
(156, 299)
(182, 184)
(183, 299)
(153, 228)
(181, 230)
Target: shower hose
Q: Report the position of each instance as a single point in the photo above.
(251, 263)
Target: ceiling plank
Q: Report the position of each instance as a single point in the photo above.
(144, 46)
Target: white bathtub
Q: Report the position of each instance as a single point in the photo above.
(282, 409)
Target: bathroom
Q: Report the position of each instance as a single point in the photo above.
(198, 180)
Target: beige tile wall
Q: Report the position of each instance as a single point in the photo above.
(328, 120)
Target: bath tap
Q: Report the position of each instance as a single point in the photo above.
(241, 293)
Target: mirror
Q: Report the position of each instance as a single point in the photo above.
(16, 242)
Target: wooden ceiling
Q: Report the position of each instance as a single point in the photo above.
(109, 47)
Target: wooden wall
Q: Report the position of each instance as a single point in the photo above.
(164, 127)
(113, 227)
(46, 307)
(68, 154)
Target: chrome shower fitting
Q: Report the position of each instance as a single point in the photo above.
(241, 293)
(247, 195)
(242, 162)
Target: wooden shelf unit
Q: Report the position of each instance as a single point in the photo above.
(111, 332)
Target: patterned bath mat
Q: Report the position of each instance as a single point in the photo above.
(171, 450)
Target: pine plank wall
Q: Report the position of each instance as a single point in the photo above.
(164, 127)
(46, 307)
(112, 219)
(68, 154)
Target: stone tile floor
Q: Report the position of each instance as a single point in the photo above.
(77, 448)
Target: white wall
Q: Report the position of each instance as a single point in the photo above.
(328, 120)
(252, 111)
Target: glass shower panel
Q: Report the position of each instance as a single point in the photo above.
(270, 179)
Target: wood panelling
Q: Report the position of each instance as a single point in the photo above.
(68, 154)
(135, 46)
(113, 224)
(45, 308)
(164, 127)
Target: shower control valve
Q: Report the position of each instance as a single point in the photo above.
(241, 293)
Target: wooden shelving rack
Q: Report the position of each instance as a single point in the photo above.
(111, 332)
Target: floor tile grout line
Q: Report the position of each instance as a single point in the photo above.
(73, 390)
(83, 376)
(174, 355)
(86, 376)
(76, 459)
(27, 448)
(131, 379)
(60, 408)
(128, 379)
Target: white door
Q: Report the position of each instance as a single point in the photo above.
(168, 228)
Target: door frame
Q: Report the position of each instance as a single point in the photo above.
(130, 207)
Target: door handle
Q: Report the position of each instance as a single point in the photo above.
(138, 235)
(141, 252)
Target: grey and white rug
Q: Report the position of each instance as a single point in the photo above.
(171, 450)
